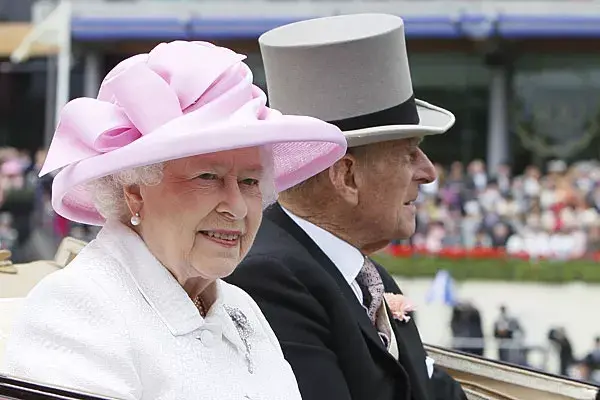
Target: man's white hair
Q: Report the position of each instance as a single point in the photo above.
(109, 198)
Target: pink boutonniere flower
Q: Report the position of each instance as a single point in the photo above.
(400, 306)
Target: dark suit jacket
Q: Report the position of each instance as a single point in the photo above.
(324, 332)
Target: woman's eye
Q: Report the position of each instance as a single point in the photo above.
(250, 182)
(208, 177)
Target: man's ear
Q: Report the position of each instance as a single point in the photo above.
(344, 176)
(133, 198)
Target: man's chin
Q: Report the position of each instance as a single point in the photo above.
(406, 231)
(403, 232)
(374, 247)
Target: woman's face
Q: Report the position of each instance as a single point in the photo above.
(201, 220)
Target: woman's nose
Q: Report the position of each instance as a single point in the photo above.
(234, 203)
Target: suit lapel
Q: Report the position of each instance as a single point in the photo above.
(279, 217)
(410, 348)
(412, 356)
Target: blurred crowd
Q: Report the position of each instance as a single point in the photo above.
(548, 214)
(29, 228)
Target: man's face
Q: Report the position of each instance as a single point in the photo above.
(391, 187)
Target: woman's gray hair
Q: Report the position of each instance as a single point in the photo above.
(109, 198)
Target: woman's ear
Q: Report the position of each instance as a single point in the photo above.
(133, 198)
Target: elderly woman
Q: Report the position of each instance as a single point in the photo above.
(175, 158)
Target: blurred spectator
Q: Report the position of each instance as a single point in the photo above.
(592, 363)
(477, 178)
(559, 338)
(500, 234)
(466, 324)
(509, 333)
(503, 178)
(8, 235)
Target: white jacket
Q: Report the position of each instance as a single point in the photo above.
(115, 322)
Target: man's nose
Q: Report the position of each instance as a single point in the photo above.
(425, 171)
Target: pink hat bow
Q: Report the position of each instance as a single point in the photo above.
(147, 91)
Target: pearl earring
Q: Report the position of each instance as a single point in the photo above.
(136, 219)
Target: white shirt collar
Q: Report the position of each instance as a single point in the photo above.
(160, 289)
(347, 258)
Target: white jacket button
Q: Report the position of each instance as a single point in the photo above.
(207, 338)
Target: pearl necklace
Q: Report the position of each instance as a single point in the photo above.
(199, 303)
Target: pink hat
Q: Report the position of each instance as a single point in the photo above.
(180, 100)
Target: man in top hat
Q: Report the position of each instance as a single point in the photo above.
(309, 269)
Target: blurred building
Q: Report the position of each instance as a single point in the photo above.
(22, 87)
(522, 77)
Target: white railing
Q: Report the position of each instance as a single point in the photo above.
(537, 356)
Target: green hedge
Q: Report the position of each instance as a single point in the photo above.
(493, 270)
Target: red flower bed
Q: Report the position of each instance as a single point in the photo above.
(456, 253)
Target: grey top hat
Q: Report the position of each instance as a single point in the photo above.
(351, 71)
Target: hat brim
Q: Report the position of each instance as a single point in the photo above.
(434, 120)
(302, 147)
